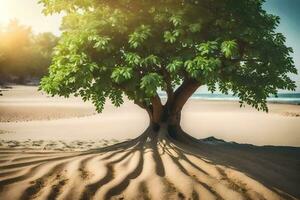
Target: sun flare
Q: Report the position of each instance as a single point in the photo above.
(29, 13)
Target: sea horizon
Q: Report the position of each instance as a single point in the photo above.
(289, 98)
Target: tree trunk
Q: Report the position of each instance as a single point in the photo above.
(170, 114)
(166, 117)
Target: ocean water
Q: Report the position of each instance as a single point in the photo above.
(289, 98)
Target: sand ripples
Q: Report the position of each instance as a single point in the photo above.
(140, 169)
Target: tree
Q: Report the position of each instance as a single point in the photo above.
(109, 49)
(41, 54)
(24, 55)
(14, 41)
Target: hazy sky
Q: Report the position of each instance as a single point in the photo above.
(28, 12)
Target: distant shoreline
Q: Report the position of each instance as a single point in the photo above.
(283, 98)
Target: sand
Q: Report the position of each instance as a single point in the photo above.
(142, 170)
(54, 148)
(28, 114)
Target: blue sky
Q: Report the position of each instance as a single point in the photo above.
(289, 13)
(28, 12)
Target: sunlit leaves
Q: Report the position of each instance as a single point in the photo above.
(150, 83)
(229, 48)
(207, 48)
(201, 66)
(176, 19)
(171, 36)
(174, 66)
(138, 46)
(92, 66)
(100, 43)
(151, 60)
(121, 74)
(139, 36)
(132, 59)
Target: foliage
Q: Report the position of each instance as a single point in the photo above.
(23, 54)
(138, 47)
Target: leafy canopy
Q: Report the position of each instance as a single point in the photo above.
(114, 47)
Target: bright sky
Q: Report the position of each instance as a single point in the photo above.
(288, 11)
(28, 12)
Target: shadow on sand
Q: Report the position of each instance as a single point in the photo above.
(210, 170)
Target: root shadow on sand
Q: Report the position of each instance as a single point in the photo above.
(152, 166)
(275, 167)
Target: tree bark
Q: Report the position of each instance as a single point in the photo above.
(170, 113)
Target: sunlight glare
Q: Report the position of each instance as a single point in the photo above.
(29, 13)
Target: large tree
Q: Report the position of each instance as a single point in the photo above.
(116, 48)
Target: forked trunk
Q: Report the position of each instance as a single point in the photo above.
(165, 116)
(169, 115)
(168, 125)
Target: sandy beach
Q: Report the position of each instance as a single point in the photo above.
(56, 148)
(26, 113)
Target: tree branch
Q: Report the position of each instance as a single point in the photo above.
(169, 88)
(157, 108)
(183, 93)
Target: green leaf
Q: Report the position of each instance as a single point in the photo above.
(207, 48)
(191, 68)
(116, 97)
(132, 59)
(229, 48)
(101, 42)
(176, 19)
(139, 36)
(150, 83)
(174, 66)
(151, 60)
(171, 37)
(121, 74)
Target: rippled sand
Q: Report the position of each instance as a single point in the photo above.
(53, 148)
